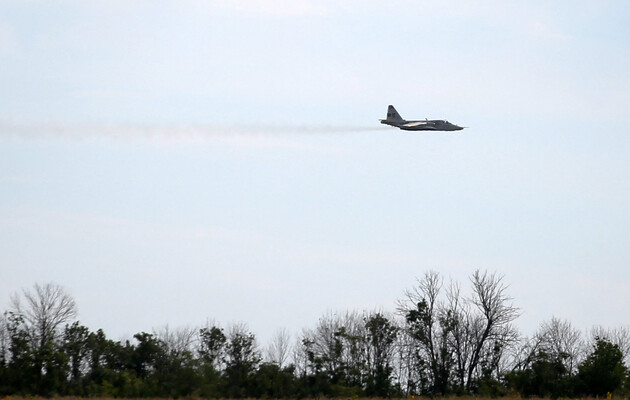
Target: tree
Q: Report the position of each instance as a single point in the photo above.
(35, 367)
(463, 325)
(545, 376)
(331, 358)
(211, 350)
(619, 336)
(98, 346)
(176, 369)
(496, 314)
(4, 344)
(405, 365)
(324, 348)
(603, 370)
(279, 348)
(44, 310)
(300, 356)
(146, 354)
(211, 346)
(429, 324)
(272, 382)
(52, 368)
(176, 341)
(353, 336)
(241, 360)
(457, 341)
(380, 338)
(561, 342)
(22, 373)
(75, 346)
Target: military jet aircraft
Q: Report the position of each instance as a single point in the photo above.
(394, 119)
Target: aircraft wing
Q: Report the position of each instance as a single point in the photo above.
(419, 124)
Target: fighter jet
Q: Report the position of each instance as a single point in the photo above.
(394, 119)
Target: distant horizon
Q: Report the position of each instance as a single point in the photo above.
(295, 332)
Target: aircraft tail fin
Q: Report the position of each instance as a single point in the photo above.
(392, 114)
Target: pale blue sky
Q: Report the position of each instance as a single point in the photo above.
(169, 162)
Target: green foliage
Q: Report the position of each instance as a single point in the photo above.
(53, 369)
(603, 370)
(491, 387)
(272, 382)
(75, 347)
(21, 374)
(381, 334)
(241, 361)
(147, 354)
(545, 377)
(212, 345)
(432, 333)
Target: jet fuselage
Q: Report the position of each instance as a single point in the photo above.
(394, 119)
(426, 125)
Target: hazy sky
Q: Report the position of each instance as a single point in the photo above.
(172, 162)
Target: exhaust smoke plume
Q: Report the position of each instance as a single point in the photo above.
(169, 132)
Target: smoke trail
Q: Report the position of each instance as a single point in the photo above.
(174, 132)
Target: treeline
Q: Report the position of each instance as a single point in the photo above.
(438, 342)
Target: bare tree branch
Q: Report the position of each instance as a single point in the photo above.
(279, 348)
(47, 308)
(496, 310)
